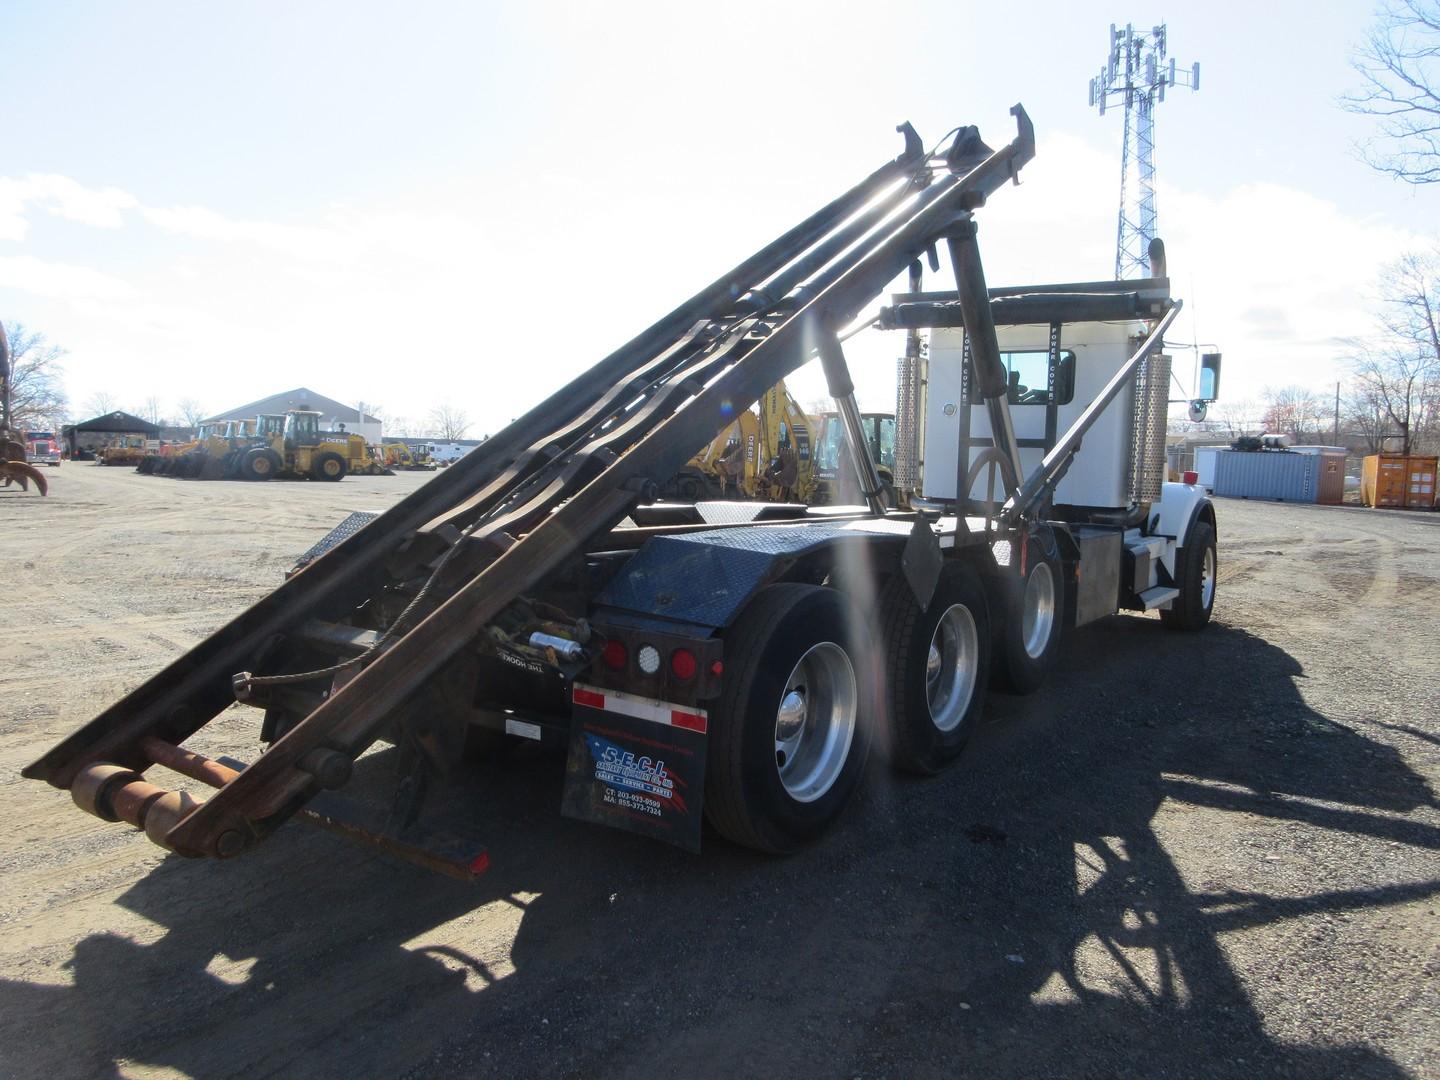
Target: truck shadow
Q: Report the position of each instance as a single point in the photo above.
(1024, 915)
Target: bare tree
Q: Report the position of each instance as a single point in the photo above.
(817, 406)
(449, 422)
(101, 402)
(1399, 67)
(1365, 417)
(191, 412)
(37, 397)
(1235, 418)
(1397, 374)
(150, 410)
(1293, 411)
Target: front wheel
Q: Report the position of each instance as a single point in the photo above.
(259, 463)
(328, 466)
(1195, 568)
(938, 663)
(792, 728)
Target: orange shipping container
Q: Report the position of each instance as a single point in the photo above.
(1399, 481)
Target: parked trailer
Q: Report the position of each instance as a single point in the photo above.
(736, 670)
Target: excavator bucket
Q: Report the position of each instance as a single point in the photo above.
(18, 472)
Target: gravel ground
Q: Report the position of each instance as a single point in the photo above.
(1190, 856)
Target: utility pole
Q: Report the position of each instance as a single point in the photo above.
(1335, 441)
(1137, 71)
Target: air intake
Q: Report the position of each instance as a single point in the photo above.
(1150, 409)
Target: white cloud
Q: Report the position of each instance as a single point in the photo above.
(66, 198)
(61, 280)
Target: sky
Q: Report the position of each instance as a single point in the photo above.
(467, 204)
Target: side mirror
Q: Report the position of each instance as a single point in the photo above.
(1209, 376)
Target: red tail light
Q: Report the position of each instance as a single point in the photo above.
(682, 663)
(615, 656)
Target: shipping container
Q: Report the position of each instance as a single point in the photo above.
(1397, 481)
(1278, 475)
(1331, 490)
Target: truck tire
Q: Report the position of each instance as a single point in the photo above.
(1029, 616)
(328, 466)
(259, 463)
(792, 728)
(937, 668)
(1195, 570)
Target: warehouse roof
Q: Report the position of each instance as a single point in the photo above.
(299, 398)
(115, 421)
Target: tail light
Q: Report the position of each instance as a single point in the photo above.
(615, 656)
(682, 663)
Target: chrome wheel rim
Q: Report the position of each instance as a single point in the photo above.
(952, 667)
(1207, 578)
(815, 722)
(1038, 617)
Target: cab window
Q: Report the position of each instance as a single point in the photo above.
(1029, 374)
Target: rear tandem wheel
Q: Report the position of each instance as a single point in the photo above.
(938, 665)
(1029, 615)
(792, 728)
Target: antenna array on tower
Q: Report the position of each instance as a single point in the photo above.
(1137, 71)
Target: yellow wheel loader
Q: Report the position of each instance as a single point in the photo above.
(299, 449)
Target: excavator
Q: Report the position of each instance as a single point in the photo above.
(398, 455)
(834, 481)
(14, 469)
(765, 454)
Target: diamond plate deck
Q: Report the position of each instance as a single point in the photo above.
(346, 529)
(706, 577)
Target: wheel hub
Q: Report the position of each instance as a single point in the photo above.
(815, 722)
(790, 720)
(1038, 615)
(952, 667)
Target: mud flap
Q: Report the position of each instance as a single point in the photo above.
(636, 764)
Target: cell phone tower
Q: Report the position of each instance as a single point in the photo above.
(1137, 71)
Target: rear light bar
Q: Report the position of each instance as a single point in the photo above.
(672, 666)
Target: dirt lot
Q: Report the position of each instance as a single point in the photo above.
(1209, 855)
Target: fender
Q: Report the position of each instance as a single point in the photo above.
(1180, 506)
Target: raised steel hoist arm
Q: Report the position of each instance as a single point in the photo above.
(466, 546)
